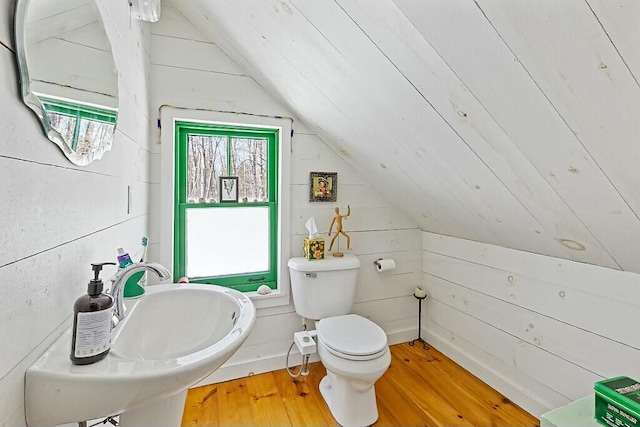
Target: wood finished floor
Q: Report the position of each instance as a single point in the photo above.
(420, 388)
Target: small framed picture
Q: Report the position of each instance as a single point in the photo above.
(323, 186)
(228, 189)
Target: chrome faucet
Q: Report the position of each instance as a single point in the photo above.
(120, 279)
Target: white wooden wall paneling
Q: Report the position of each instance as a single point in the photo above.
(48, 199)
(539, 365)
(188, 88)
(313, 155)
(318, 106)
(461, 35)
(372, 242)
(574, 312)
(585, 278)
(174, 24)
(398, 40)
(587, 73)
(191, 54)
(50, 266)
(361, 219)
(619, 20)
(401, 281)
(600, 355)
(527, 392)
(354, 195)
(6, 24)
(572, 306)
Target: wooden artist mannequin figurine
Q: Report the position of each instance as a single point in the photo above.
(337, 220)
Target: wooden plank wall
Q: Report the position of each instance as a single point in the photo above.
(57, 218)
(541, 330)
(189, 71)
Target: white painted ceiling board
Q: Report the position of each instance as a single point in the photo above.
(619, 19)
(394, 35)
(430, 101)
(573, 61)
(463, 37)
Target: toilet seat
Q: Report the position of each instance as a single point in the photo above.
(352, 337)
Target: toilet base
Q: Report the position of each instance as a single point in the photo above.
(350, 404)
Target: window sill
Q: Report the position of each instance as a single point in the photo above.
(274, 299)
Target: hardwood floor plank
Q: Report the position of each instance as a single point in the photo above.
(462, 400)
(423, 394)
(510, 413)
(234, 403)
(420, 388)
(394, 409)
(266, 401)
(202, 407)
(301, 399)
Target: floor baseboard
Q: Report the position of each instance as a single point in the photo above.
(231, 371)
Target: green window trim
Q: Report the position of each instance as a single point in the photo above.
(242, 282)
(80, 112)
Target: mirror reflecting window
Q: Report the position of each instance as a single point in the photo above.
(67, 74)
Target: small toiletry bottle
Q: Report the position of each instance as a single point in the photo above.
(131, 287)
(124, 260)
(92, 313)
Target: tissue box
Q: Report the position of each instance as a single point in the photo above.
(618, 402)
(314, 248)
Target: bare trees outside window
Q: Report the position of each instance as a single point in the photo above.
(212, 156)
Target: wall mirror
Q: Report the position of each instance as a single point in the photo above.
(67, 74)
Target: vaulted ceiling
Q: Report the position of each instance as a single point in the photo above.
(511, 122)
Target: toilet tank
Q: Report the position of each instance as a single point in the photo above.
(324, 288)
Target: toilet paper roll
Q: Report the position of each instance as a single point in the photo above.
(385, 265)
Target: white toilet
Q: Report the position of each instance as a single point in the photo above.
(354, 350)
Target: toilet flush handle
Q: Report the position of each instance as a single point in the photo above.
(312, 275)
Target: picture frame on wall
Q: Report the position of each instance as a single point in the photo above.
(323, 186)
(228, 189)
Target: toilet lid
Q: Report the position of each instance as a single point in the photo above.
(352, 335)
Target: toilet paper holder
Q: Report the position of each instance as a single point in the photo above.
(384, 265)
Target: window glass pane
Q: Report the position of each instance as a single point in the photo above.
(206, 161)
(249, 164)
(225, 241)
(94, 134)
(65, 125)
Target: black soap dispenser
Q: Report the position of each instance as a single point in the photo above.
(92, 313)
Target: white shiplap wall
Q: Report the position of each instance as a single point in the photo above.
(57, 218)
(190, 72)
(539, 329)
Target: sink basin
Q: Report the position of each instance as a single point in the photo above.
(173, 337)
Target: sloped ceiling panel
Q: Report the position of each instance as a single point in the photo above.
(514, 123)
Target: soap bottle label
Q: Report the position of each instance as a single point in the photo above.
(93, 333)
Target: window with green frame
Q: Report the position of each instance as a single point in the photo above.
(226, 236)
(82, 126)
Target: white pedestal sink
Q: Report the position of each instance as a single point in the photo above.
(173, 337)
